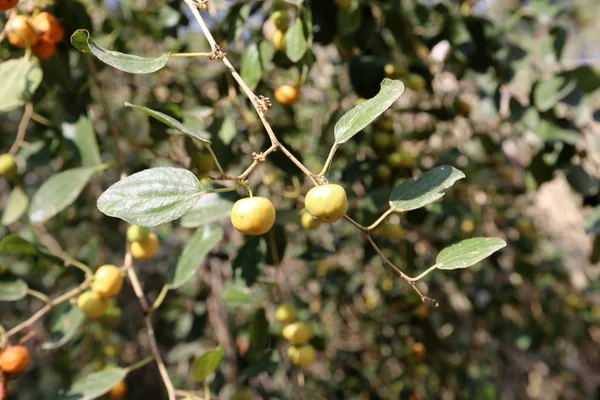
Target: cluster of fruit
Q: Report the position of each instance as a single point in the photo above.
(256, 215)
(42, 32)
(107, 283)
(298, 333)
(143, 244)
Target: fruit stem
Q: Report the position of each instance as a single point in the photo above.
(139, 364)
(39, 295)
(212, 154)
(380, 219)
(430, 269)
(329, 159)
(71, 261)
(161, 297)
(190, 54)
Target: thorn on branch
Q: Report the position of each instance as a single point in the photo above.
(264, 103)
(217, 53)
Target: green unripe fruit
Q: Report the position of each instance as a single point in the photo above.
(416, 83)
(8, 166)
(382, 140)
(383, 172)
(113, 316)
(205, 162)
(285, 313)
(281, 19)
(395, 159)
(137, 233)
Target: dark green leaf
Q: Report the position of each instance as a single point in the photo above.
(124, 62)
(58, 192)
(19, 79)
(207, 363)
(194, 253)
(362, 115)
(468, 252)
(425, 189)
(13, 290)
(65, 327)
(581, 181)
(211, 207)
(259, 334)
(250, 259)
(82, 134)
(152, 197)
(15, 245)
(95, 385)
(295, 41)
(349, 18)
(16, 206)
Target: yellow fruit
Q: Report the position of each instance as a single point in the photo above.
(253, 215)
(419, 350)
(19, 32)
(8, 166)
(327, 203)
(14, 359)
(43, 49)
(7, 4)
(395, 159)
(47, 27)
(416, 82)
(107, 281)
(467, 226)
(389, 70)
(137, 233)
(281, 19)
(285, 313)
(279, 40)
(118, 391)
(382, 140)
(287, 95)
(112, 350)
(383, 172)
(205, 162)
(145, 249)
(297, 333)
(304, 356)
(309, 222)
(92, 305)
(270, 179)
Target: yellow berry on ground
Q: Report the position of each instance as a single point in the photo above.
(297, 333)
(253, 215)
(327, 203)
(92, 305)
(145, 249)
(285, 313)
(107, 281)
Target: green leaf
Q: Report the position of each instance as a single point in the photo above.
(251, 68)
(152, 197)
(65, 327)
(250, 259)
(210, 208)
(550, 91)
(124, 62)
(425, 189)
(581, 181)
(16, 206)
(234, 297)
(295, 41)
(194, 253)
(468, 252)
(57, 193)
(362, 115)
(170, 122)
(16, 245)
(83, 136)
(349, 19)
(95, 385)
(207, 363)
(19, 79)
(13, 290)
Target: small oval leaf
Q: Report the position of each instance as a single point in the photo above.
(81, 133)
(425, 189)
(194, 253)
(16, 245)
(16, 206)
(19, 79)
(95, 385)
(151, 197)
(57, 193)
(550, 91)
(65, 327)
(210, 208)
(207, 363)
(170, 122)
(468, 252)
(13, 290)
(251, 68)
(124, 62)
(295, 41)
(362, 115)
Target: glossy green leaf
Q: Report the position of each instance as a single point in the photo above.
(550, 91)
(170, 122)
(362, 115)
(124, 62)
(468, 252)
(295, 41)
(65, 327)
(152, 197)
(81, 133)
(251, 68)
(207, 363)
(16, 206)
(210, 208)
(19, 79)
(13, 290)
(57, 193)
(194, 253)
(425, 189)
(95, 385)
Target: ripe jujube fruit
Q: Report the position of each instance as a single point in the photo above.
(297, 333)
(327, 203)
(285, 312)
(309, 222)
(7, 4)
(14, 359)
(47, 27)
(43, 49)
(145, 249)
(253, 215)
(118, 391)
(92, 305)
(303, 356)
(287, 95)
(8, 166)
(107, 281)
(19, 32)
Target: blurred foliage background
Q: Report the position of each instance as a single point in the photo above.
(504, 90)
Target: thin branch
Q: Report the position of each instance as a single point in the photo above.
(22, 129)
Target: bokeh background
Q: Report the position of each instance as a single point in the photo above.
(506, 91)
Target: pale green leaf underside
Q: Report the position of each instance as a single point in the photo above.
(207, 363)
(362, 115)
(64, 328)
(468, 252)
(170, 122)
(426, 188)
(251, 69)
(95, 385)
(83, 136)
(210, 208)
(13, 290)
(194, 253)
(124, 62)
(151, 197)
(295, 41)
(16, 206)
(57, 193)
(19, 79)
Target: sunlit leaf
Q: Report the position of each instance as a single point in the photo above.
(19, 79)
(468, 252)
(13, 290)
(95, 385)
(211, 207)
(251, 69)
(207, 363)
(83, 136)
(16, 206)
(65, 327)
(295, 41)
